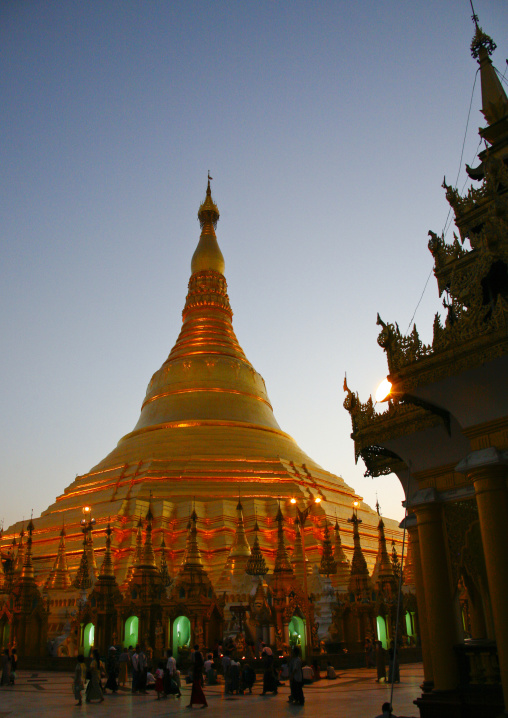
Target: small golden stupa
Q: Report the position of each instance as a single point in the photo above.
(206, 433)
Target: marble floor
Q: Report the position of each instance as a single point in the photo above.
(354, 694)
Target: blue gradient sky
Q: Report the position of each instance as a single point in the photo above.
(327, 126)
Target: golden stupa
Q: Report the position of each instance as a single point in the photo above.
(206, 434)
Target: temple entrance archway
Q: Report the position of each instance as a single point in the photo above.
(131, 632)
(181, 633)
(88, 638)
(381, 631)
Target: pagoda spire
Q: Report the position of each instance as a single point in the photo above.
(107, 571)
(256, 565)
(192, 553)
(494, 100)
(208, 255)
(282, 562)
(297, 559)
(359, 581)
(20, 556)
(163, 565)
(396, 567)
(383, 569)
(27, 572)
(83, 579)
(59, 577)
(341, 578)
(328, 565)
(148, 552)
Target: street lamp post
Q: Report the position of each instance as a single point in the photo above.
(302, 517)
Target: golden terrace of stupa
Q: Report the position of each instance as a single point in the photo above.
(206, 435)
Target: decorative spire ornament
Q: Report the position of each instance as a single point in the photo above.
(382, 575)
(328, 565)
(192, 553)
(297, 559)
(340, 580)
(163, 565)
(148, 559)
(256, 565)
(282, 562)
(27, 572)
(59, 577)
(107, 572)
(359, 581)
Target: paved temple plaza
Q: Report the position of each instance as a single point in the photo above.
(354, 694)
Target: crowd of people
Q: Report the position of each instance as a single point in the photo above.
(93, 678)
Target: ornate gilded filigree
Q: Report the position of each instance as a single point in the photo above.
(207, 288)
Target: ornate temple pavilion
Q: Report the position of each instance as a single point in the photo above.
(445, 435)
(206, 434)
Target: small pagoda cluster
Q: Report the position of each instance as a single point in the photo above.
(160, 606)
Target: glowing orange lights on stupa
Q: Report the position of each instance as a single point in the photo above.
(205, 430)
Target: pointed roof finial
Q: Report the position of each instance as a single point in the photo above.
(107, 572)
(207, 255)
(256, 565)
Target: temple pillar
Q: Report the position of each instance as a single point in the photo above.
(439, 604)
(428, 674)
(488, 470)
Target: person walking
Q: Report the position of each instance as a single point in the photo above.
(393, 665)
(6, 668)
(380, 662)
(171, 676)
(14, 666)
(93, 689)
(197, 695)
(143, 670)
(248, 675)
(135, 670)
(112, 671)
(123, 667)
(296, 678)
(269, 677)
(79, 679)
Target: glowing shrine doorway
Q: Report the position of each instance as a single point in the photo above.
(181, 633)
(381, 631)
(88, 638)
(131, 632)
(296, 630)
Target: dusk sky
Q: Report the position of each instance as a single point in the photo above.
(327, 127)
